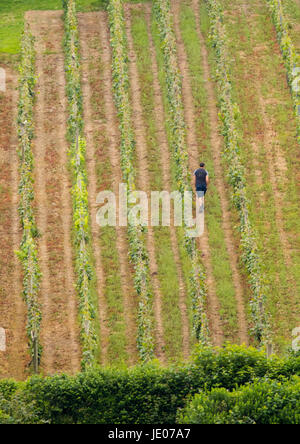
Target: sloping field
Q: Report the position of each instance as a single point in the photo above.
(131, 96)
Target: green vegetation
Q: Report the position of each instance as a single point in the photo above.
(167, 272)
(28, 253)
(257, 73)
(136, 234)
(230, 115)
(112, 289)
(290, 55)
(177, 140)
(292, 12)
(261, 402)
(12, 14)
(252, 61)
(213, 215)
(88, 307)
(107, 236)
(150, 394)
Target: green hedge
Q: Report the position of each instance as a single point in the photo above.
(262, 402)
(145, 394)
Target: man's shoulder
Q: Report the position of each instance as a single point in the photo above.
(200, 169)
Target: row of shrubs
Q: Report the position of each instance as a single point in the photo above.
(152, 394)
(261, 402)
(198, 290)
(136, 233)
(230, 115)
(28, 253)
(289, 52)
(81, 224)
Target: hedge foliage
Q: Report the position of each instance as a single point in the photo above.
(28, 253)
(145, 394)
(261, 402)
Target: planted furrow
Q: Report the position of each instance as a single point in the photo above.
(143, 182)
(88, 53)
(61, 350)
(14, 353)
(290, 55)
(113, 135)
(217, 330)
(28, 252)
(116, 304)
(198, 288)
(84, 267)
(216, 146)
(258, 82)
(166, 168)
(229, 115)
(137, 249)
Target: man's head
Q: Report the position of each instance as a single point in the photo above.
(202, 165)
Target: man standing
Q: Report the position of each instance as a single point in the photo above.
(201, 180)
(201, 184)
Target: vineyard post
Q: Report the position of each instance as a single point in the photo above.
(269, 350)
(34, 339)
(35, 355)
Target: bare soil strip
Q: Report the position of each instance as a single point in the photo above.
(141, 150)
(59, 329)
(189, 112)
(166, 168)
(15, 360)
(216, 146)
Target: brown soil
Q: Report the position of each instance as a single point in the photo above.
(216, 144)
(59, 330)
(15, 360)
(144, 184)
(189, 111)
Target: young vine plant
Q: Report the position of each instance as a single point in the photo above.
(28, 253)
